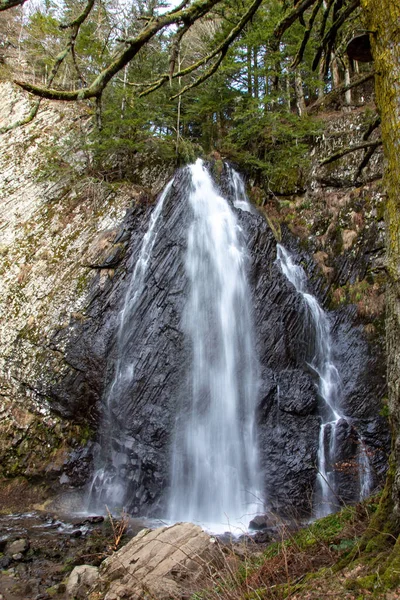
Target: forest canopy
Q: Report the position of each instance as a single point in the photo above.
(263, 66)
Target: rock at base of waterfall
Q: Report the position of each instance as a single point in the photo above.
(169, 562)
(259, 523)
(80, 581)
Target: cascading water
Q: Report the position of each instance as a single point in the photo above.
(238, 191)
(329, 389)
(204, 305)
(214, 460)
(108, 486)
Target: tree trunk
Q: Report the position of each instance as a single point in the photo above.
(347, 80)
(300, 100)
(335, 71)
(249, 72)
(383, 19)
(255, 64)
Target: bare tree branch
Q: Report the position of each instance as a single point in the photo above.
(188, 15)
(330, 36)
(374, 125)
(180, 6)
(75, 26)
(6, 4)
(367, 157)
(344, 151)
(221, 49)
(175, 48)
(289, 18)
(325, 18)
(30, 116)
(307, 33)
(80, 18)
(202, 77)
(369, 152)
(340, 89)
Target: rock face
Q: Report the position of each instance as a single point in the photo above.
(69, 248)
(138, 433)
(136, 439)
(81, 580)
(170, 562)
(57, 225)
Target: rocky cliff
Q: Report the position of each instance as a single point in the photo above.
(55, 220)
(69, 244)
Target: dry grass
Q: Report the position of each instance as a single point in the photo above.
(297, 565)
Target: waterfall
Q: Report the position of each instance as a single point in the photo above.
(108, 485)
(214, 461)
(329, 389)
(184, 356)
(240, 199)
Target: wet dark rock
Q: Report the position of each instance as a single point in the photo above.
(259, 522)
(139, 433)
(5, 562)
(75, 534)
(95, 519)
(78, 466)
(262, 537)
(296, 393)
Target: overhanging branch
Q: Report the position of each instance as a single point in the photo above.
(330, 36)
(340, 89)
(222, 49)
(80, 18)
(190, 14)
(289, 18)
(6, 4)
(307, 33)
(344, 151)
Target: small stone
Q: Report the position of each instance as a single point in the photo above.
(4, 562)
(262, 537)
(77, 533)
(81, 580)
(259, 523)
(95, 519)
(19, 546)
(18, 556)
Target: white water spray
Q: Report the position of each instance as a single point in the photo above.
(214, 462)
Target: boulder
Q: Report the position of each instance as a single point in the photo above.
(169, 562)
(18, 546)
(80, 581)
(259, 522)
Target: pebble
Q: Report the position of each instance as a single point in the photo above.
(76, 533)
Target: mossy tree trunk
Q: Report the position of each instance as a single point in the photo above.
(382, 19)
